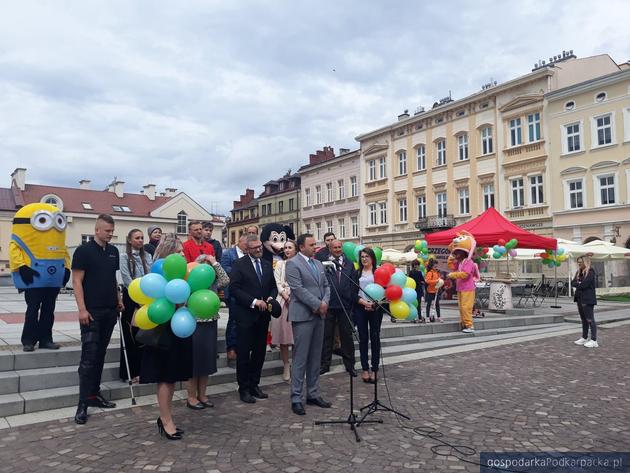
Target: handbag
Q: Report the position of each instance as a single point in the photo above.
(160, 337)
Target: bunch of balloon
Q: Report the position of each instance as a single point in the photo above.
(352, 250)
(505, 249)
(481, 255)
(422, 250)
(172, 283)
(393, 285)
(553, 258)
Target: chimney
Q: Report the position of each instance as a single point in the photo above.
(321, 155)
(404, 115)
(117, 188)
(18, 177)
(149, 191)
(170, 191)
(84, 184)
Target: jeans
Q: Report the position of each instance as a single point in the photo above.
(40, 315)
(369, 327)
(430, 297)
(588, 320)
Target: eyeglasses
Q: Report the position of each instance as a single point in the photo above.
(257, 247)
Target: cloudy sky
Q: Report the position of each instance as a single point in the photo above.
(211, 97)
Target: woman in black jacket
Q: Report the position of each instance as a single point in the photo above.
(584, 284)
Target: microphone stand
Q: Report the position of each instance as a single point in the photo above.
(352, 417)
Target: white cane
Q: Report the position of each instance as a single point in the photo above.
(124, 350)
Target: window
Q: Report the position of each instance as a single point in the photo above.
(402, 210)
(354, 222)
(269, 209)
(576, 194)
(329, 226)
(382, 207)
(536, 190)
(341, 225)
(533, 127)
(422, 206)
(86, 238)
(573, 137)
(372, 214)
(182, 223)
(402, 163)
(381, 168)
(330, 196)
(488, 196)
(125, 208)
(308, 227)
(354, 187)
(440, 198)
(462, 147)
(607, 190)
(307, 196)
(518, 193)
(421, 158)
(52, 199)
(486, 140)
(86, 205)
(464, 201)
(318, 230)
(440, 146)
(116, 208)
(371, 170)
(570, 105)
(515, 132)
(318, 194)
(264, 210)
(600, 97)
(341, 188)
(603, 126)
(291, 204)
(281, 207)
(291, 226)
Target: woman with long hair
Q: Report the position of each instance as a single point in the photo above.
(584, 284)
(281, 331)
(432, 279)
(368, 317)
(167, 367)
(135, 262)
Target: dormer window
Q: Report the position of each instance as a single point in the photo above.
(600, 97)
(570, 105)
(86, 205)
(52, 199)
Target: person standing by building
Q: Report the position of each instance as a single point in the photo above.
(324, 253)
(94, 267)
(208, 228)
(584, 284)
(417, 276)
(196, 245)
(154, 234)
(434, 282)
(281, 331)
(227, 260)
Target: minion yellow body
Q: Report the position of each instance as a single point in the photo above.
(38, 241)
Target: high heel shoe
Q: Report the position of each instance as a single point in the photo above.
(176, 436)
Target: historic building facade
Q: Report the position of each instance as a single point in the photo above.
(244, 213)
(280, 202)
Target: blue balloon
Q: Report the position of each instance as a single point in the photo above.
(413, 313)
(375, 291)
(501, 250)
(183, 323)
(409, 295)
(157, 265)
(398, 279)
(560, 251)
(177, 291)
(153, 285)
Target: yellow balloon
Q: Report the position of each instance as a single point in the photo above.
(410, 283)
(356, 265)
(136, 293)
(142, 318)
(399, 309)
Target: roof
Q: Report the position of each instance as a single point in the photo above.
(100, 201)
(7, 200)
(488, 228)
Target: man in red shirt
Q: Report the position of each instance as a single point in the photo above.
(196, 245)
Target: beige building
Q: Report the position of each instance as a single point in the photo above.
(280, 202)
(244, 213)
(170, 210)
(589, 131)
(441, 167)
(330, 194)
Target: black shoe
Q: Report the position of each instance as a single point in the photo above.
(81, 416)
(195, 407)
(298, 408)
(49, 346)
(246, 397)
(28, 347)
(351, 371)
(318, 401)
(324, 370)
(206, 403)
(176, 436)
(258, 393)
(100, 401)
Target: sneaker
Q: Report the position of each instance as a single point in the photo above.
(468, 330)
(591, 344)
(581, 341)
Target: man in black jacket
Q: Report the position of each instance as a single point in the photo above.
(252, 286)
(341, 297)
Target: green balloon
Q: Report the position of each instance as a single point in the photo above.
(204, 304)
(174, 267)
(161, 310)
(348, 250)
(414, 303)
(378, 252)
(201, 277)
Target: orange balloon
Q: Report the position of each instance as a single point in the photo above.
(189, 268)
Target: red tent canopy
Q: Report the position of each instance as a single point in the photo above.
(488, 228)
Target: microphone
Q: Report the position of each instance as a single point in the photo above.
(330, 265)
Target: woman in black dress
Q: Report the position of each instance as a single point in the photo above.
(584, 284)
(167, 367)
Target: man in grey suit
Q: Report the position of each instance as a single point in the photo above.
(310, 294)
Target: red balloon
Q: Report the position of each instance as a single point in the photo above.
(382, 276)
(393, 293)
(391, 269)
(501, 242)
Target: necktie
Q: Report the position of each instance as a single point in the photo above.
(258, 270)
(311, 263)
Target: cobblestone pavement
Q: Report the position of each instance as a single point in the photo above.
(546, 395)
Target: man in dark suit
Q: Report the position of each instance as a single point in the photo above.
(252, 285)
(324, 252)
(310, 294)
(228, 258)
(342, 297)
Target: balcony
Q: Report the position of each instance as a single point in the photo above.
(434, 223)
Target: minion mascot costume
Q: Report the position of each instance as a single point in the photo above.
(40, 266)
(466, 274)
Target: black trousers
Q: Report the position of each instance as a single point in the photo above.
(134, 350)
(251, 344)
(94, 340)
(430, 297)
(587, 316)
(40, 315)
(369, 327)
(334, 317)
